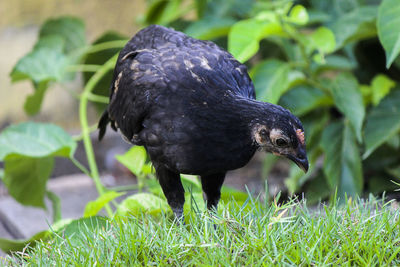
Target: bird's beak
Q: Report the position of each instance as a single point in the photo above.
(300, 159)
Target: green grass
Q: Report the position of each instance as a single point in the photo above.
(363, 233)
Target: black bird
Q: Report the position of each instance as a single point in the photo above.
(192, 106)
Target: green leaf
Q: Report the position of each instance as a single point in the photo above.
(41, 65)
(381, 86)
(70, 29)
(9, 246)
(356, 25)
(34, 101)
(142, 202)
(210, 28)
(342, 163)
(93, 207)
(298, 15)
(349, 101)
(270, 79)
(53, 42)
(134, 159)
(294, 100)
(163, 12)
(229, 8)
(26, 178)
(334, 62)
(388, 29)
(62, 228)
(243, 39)
(201, 6)
(27, 150)
(245, 35)
(382, 122)
(323, 40)
(36, 140)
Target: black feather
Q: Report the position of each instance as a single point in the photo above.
(102, 126)
(191, 105)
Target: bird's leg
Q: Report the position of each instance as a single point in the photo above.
(212, 189)
(173, 190)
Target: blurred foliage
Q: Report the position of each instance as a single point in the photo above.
(333, 63)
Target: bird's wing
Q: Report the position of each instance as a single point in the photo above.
(213, 64)
(157, 59)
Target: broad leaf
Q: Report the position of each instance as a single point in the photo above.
(26, 178)
(9, 246)
(380, 87)
(50, 57)
(388, 29)
(229, 8)
(70, 29)
(27, 150)
(334, 62)
(270, 79)
(210, 28)
(298, 15)
(34, 101)
(342, 162)
(201, 6)
(142, 202)
(36, 140)
(245, 35)
(134, 159)
(356, 25)
(93, 207)
(294, 100)
(163, 12)
(41, 65)
(382, 122)
(348, 99)
(53, 42)
(323, 40)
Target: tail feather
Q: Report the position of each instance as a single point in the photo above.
(102, 126)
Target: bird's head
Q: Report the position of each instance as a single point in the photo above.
(282, 136)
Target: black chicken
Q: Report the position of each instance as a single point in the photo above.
(192, 106)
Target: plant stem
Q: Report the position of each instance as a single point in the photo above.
(94, 173)
(98, 98)
(79, 137)
(80, 166)
(56, 204)
(106, 45)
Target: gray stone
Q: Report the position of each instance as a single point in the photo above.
(22, 222)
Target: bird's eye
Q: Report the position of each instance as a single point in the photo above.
(264, 133)
(280, 142)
